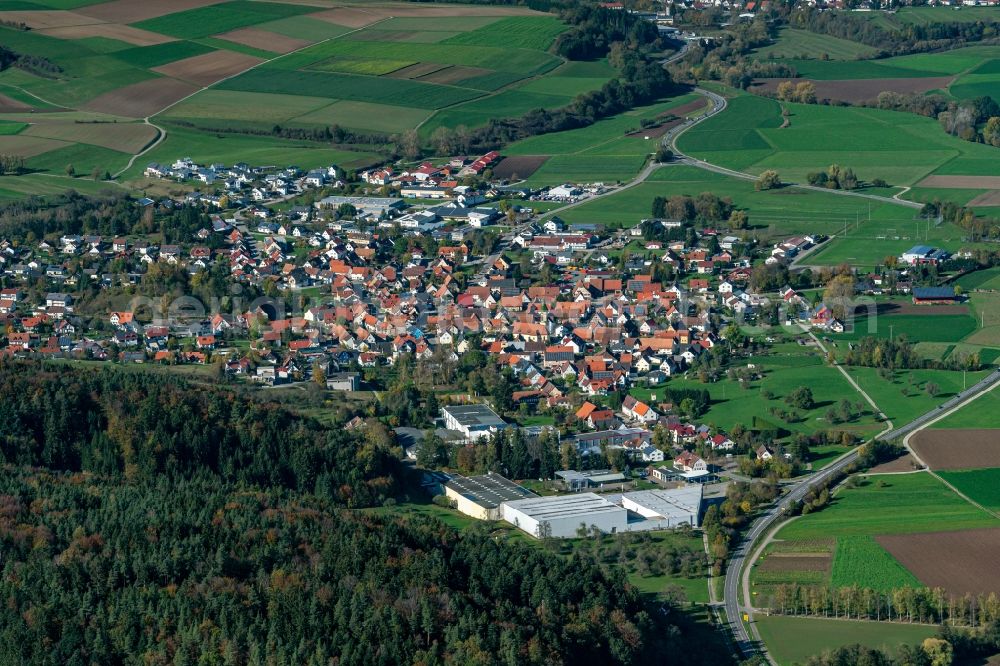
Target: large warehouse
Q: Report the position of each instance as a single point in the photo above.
(561, 516)
(664, 509)
(481, 496)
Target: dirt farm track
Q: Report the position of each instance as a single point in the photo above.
(957, 449)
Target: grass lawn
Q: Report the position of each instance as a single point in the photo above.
(982, 485)
(897, 504)
(792, 640)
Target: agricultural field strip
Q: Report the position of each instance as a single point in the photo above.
(163, 132)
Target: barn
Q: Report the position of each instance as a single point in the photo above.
(934, 296)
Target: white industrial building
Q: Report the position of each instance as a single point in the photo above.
(473, 421)
(561, 516)
(665, 509)
(481, 496)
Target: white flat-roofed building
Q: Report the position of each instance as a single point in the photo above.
(481, 496)
(664, 509)
(473, 421)
(561, 516)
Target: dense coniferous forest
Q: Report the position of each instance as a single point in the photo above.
(138, 426)
(146, 519)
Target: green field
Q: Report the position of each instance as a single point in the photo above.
(988, 278)
(368, 66)
(233, 105)
(982, 81)
(831, 70)
(374, 89)
(861, 561)
(980, 485)
(792, 640)
(9, 128)
(895, 504)
(983, 412)
(518, 32)
(904, 397)
(789, 367)
(792, 43)
(216, 19)
(772, 213)
(161, 54)
(362, 115)
(899, 147)
(229, 149)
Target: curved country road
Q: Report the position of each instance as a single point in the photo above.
(749, 645)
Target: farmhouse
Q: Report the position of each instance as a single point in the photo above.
(481, 496)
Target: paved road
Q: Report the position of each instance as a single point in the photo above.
(731, 595)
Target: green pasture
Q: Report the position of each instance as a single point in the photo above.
(916, 327)
(792, 640)
(609, 131)
(454, 24)
(980, 485)
(903, 397)
(793, 43)
(732, 404)
(889, 504)
(8, 128)
(84, 158)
